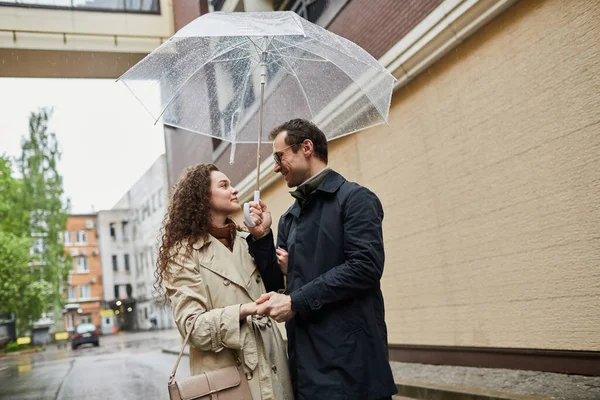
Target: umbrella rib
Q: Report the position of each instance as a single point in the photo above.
(176, 93)
(352, 79)
(312, 115)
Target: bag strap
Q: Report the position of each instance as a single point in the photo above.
(187, 337)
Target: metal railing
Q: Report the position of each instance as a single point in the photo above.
(118, 6)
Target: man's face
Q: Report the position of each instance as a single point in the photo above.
(293, 166)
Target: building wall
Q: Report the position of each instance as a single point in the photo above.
(148, 205)
(119, 246)
(488, 173)
(376, 25)
(89, 306)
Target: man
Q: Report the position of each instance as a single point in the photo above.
(333, 305)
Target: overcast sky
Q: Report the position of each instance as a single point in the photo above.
(107, 138)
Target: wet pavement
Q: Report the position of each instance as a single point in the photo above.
(125, 366)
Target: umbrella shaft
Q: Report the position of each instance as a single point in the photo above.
(260, 131)
(263, 79)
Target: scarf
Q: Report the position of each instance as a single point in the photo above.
(224, 234)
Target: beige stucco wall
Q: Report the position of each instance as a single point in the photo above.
(489, 173)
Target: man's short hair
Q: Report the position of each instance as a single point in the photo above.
(298, 130)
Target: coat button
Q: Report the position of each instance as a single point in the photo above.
(274, 368)
(249, 375)
(226, 282)
(316, 303)
(257, 279)
(269, 323)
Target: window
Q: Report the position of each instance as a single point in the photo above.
(129, 290)
(70, 321)
(124, 230)
(126, 262)
(145, 313)
(38, 246)
(113, 232)
(85, 319)
(114, 262)
(84, 292)
(116, 291)
(81, 237)
(71, 293)
(82, 264)
(67, 238)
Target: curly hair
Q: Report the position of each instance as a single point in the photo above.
(186, 221)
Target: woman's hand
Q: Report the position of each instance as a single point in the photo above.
(247, 309)
(261, 216)
(282, 259)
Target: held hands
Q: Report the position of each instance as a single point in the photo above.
(261, 216)
(275, 305)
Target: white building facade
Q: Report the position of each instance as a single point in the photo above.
(118, 274)
(147, 201)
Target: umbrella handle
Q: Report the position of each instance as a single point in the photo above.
(249, 221)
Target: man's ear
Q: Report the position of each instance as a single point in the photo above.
(307, 147)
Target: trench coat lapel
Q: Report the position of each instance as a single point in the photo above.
(235, 270)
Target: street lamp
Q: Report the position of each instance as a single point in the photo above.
(119, 302)
(129, 309)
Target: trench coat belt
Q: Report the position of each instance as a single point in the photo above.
(250, 351)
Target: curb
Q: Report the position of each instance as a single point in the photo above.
(428, 391)
(18, 353)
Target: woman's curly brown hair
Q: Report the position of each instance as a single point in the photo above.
(186, 220)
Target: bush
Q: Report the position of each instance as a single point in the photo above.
(14, 346)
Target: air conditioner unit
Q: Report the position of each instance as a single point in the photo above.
(92, 280)
(74, 252)
(89, 224)
(82, 252)
(95, 252)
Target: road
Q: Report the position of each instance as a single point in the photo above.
(125, 366)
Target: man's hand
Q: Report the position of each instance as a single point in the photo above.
(261, 216)
(282, 259)
(275, 305)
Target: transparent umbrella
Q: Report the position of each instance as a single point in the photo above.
(227, 75)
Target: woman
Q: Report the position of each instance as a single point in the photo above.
(206, 268)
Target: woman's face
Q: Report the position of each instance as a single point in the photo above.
(223, 196)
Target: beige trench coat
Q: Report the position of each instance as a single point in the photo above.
(214, 281)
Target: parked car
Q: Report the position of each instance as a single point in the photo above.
(85, 333)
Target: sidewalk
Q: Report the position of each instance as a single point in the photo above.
(450, 382)
(446, 382)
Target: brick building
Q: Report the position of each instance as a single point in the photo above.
(83, 294)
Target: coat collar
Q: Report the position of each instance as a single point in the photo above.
(330, 184)
(237, 274)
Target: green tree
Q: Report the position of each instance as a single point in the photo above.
(42, 199)
(20, 293)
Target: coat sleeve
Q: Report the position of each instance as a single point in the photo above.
(263, 251)
(364, 257)
(215, 329)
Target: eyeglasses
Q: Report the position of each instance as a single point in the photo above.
(277, 154)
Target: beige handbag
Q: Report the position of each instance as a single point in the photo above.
(228, 383)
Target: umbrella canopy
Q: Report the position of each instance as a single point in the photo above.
(207, 78)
